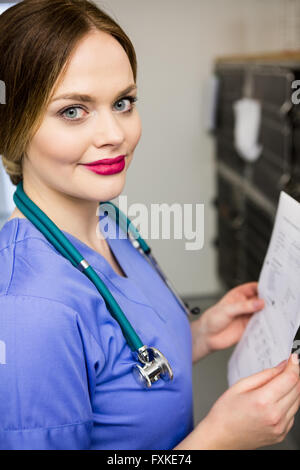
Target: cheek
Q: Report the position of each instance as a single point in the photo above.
(60, 143)
(134, 131)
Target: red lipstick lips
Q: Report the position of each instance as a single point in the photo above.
(107, 166)
(107, 161)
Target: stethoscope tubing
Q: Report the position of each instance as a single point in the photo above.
(125, 223)
(55, 236)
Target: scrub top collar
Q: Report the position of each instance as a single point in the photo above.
(125, 253)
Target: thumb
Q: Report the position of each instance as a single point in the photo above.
(259, 379)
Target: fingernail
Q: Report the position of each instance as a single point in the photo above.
(281, 364)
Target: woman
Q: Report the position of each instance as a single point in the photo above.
(67, 379)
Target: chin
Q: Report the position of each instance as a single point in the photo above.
(109, 193)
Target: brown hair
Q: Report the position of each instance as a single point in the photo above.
(36, 41)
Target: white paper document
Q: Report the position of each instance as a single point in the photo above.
(268, 337)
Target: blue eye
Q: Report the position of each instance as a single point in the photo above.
(73, 114)
(124, 105)
(120, 104)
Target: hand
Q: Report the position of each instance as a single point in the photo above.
(222, 325)
(256, 411)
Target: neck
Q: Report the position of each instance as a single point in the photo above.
(76, 216)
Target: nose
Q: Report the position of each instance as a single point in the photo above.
(108, 129)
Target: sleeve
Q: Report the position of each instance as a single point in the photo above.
(46, 379)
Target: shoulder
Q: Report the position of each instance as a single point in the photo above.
(31, 266)
(45, 343)
(32, 326)
(27, 311)
(39, 286)
(23, 252)
(35, 325)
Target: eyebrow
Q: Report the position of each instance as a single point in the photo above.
(90, 99)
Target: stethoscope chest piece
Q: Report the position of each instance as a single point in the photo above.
(154, 367)
(153, 364)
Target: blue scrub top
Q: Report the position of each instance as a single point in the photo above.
(66, 377)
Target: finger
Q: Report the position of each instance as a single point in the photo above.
(249, 289)
(283, 383)
(257, 380)
(290, 417)
(294, 389)
(292, 410)
(289, 426)
(289, 400)
(244, 307)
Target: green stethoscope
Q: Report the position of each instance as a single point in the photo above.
(154, 365)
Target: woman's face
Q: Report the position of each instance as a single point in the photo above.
(77, 131)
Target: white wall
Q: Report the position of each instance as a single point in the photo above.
(6, 188)
(5, 5)
(176, 42)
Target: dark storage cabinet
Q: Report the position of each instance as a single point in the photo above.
(248, 193)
